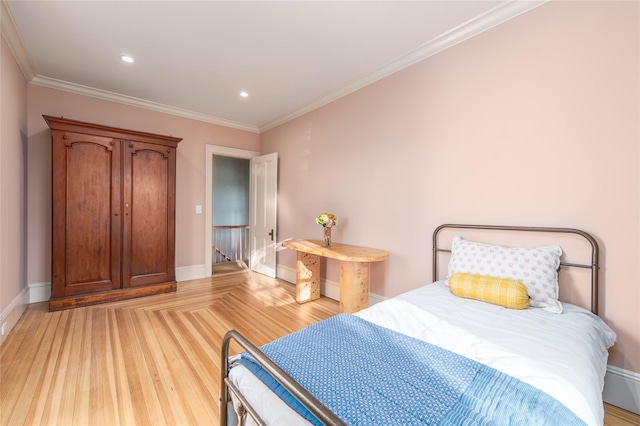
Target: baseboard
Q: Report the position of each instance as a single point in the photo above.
(39, 292)
(328, 288)
(10, 316)
(622, 389)
(193, 272)
(285, 273)
(376, 298)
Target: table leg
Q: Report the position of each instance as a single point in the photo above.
(307, 277)
(354, 286)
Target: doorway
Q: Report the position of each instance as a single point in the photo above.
(262, 205)
(219, 151)
(230, 211)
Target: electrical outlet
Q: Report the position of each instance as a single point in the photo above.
(4, 328)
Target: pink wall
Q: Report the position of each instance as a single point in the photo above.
(535, 122)
(190, 174)
(13, 129)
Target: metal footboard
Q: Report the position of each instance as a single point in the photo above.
(314, 406)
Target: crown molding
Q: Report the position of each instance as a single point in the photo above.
(14, 40)
(137, 102)
(475, 26)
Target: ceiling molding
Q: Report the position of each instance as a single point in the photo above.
(490, 19)
(14, 40)
(137, 102)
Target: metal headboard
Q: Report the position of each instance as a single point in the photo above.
(594, 266)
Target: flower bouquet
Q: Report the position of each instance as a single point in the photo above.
(327, 220)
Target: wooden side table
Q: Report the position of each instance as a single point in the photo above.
(354, 271)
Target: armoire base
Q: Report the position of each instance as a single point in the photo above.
(62, 303)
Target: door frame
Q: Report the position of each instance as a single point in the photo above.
(224, 151)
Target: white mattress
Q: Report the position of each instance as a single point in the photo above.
(564, 355)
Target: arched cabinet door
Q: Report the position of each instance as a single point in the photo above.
(86, 229)
(113, 221)
(149, 214)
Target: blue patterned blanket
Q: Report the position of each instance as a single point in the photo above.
(381, 377)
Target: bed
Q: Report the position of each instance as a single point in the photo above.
(488, 343)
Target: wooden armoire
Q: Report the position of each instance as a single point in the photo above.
(113, 213)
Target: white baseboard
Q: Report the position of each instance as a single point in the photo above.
(39, 292)
(194, 272)
(286, 273)
(622, 389)
(10, 316)
(328, 288)
(376, 298)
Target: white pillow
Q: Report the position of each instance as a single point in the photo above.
(535, 267)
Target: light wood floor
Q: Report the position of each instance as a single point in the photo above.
(148, 361)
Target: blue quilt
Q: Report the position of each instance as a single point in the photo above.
(382, 377)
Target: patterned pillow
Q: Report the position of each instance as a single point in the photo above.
(498, 291)
(535, 267)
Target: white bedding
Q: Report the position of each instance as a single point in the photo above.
(564, 355)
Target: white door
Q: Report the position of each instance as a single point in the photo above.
(263, 191)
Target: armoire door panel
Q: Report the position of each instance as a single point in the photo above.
(86, 226)
(149, 214)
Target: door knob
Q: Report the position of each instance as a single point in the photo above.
(271, 234)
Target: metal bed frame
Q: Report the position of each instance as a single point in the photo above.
(312, 404)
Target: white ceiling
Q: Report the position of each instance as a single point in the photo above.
(193, 58)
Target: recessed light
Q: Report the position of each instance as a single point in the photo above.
(126, 58)
(244, 94)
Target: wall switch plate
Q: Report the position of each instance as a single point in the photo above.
(198, 209)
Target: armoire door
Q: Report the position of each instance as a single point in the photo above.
(149, 214)
(86, 223)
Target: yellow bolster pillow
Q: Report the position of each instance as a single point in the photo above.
(498, 291)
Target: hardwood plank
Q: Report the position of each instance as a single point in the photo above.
(122, 404)
(153, 360)
(186, 389)
(614, 416)
(85, 362)
(153, 369)
(140, 396)
(23, 358)
(102, 408)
